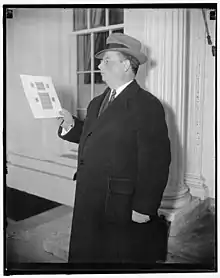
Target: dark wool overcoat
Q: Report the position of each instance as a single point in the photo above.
(123, 165)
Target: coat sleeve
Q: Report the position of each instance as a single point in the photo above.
(153, 156)
(74, 134)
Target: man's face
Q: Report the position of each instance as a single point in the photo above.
(112, 68)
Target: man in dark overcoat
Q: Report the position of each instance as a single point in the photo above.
(123, 165)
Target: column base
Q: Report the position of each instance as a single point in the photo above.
(177, 216)
(197, 186)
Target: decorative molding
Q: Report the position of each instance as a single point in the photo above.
(197, 109)
(197, 185)
(196, 93)
(11, 154)
(175, 197)
(176, 215)
(63, 167)
(39, 171)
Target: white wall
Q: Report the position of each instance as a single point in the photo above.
(38, 44)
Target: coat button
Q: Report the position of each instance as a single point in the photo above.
(81, 162)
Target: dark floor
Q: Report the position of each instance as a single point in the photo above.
(21, 205)
(32, 221)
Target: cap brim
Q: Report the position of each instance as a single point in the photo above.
(141, 57)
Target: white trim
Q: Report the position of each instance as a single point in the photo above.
(87, 71)
(92, 65)
(73, 68)
(88, 18)
(99, 29)
(106, 17)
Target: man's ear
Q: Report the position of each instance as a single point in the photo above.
(127, 65)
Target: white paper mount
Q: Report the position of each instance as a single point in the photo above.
(41, 96)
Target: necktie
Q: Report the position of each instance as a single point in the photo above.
(107, 101)
(112, 96)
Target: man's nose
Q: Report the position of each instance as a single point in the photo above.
(100, 64)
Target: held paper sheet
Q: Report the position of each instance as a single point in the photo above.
(41, 95)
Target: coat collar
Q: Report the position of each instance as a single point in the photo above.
(121, 102)
(128, 93)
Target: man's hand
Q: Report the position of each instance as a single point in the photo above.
(67, 119)
(139, 217)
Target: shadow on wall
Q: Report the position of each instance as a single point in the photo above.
(144, 70)
(176, 166)
(177, 150)
(150, 64)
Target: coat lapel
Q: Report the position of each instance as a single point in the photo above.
(119, 104)
(96, 106)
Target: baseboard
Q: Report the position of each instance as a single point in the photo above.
(47, 179)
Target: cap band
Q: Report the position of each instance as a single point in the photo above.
(116, 45)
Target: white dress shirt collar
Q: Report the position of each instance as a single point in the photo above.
(121, 88)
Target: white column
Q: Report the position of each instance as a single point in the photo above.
(197, 58)
(166, 33)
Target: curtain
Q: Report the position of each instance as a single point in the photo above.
(97, 17)
(79, 19)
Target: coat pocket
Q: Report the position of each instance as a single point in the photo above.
(118, 206)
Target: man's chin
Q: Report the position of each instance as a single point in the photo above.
(103, 79)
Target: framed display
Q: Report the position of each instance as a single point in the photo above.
(41, 96)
